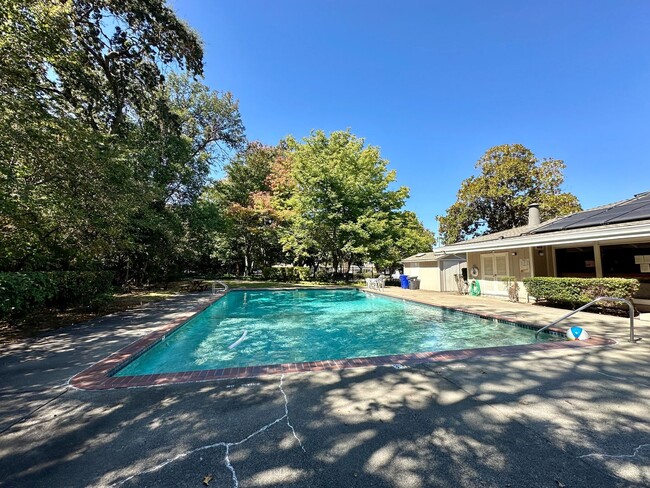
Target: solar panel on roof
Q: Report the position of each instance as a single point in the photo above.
(640, 213)
(616, 213)
(637, 208)
(563, 223)
(610, 215)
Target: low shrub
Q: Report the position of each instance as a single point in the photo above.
(80, 287)
(322, 275)
(579, 291)
(287, 274)
(22, 293)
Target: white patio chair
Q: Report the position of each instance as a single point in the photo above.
(377, 283)
(381, 282)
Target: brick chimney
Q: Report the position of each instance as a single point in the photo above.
(533, 214)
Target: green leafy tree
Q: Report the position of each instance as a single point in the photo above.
(58, 194)
(408, 237)
(340, 205)
(190, 131)
(65, 193)
(99, 61)
(104, 154)
(202, 128)
(511, 178)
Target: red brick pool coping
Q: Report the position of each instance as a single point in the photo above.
(98, 376)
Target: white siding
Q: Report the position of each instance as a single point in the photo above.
(494, 266)
(427, 272)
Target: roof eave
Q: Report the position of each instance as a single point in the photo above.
(556, 238)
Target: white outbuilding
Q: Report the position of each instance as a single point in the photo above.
(436, 272)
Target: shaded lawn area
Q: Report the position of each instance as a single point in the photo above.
(52, 319)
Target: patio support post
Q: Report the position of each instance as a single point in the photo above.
(553, 262)
(598, 261)
(531, 270)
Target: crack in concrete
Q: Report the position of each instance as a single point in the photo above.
(634, 453)
(226, 445)
(286, 414)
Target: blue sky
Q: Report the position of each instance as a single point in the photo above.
(435, 84)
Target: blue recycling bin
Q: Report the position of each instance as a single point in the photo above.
(404, 281)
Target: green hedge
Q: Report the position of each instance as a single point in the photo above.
(289, 274)
(21, 293)
(579, 291)
(81, 287)
(323, 275)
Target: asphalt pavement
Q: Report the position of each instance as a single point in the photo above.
(564, 418)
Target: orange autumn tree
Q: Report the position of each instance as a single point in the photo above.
(249, 233)
(325, 200)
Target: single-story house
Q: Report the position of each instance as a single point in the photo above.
(436, 272)
(608, 241)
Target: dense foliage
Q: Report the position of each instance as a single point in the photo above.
(287, 274)
(103, 150)
(339, 207)
(24, 292)
(323, 200)
(579, 291)
(109, 144)
(248, 237)
(511, 178)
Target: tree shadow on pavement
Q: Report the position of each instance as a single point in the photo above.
(488, 422)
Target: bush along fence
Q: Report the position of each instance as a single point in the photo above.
(579, 291)
(287, 274)
(22, 293)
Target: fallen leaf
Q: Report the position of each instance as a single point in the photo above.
(207, 479)
(560, 484)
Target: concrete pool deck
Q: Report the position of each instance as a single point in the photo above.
(570, 417)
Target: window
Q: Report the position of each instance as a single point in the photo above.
(575, 262)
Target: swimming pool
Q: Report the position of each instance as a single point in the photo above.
(295, 326)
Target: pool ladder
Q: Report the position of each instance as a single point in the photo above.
(599, 299)
(215, 290)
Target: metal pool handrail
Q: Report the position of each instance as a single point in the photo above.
(214, 286)
(599, 299)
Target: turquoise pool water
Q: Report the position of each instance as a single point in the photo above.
(310, 325)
